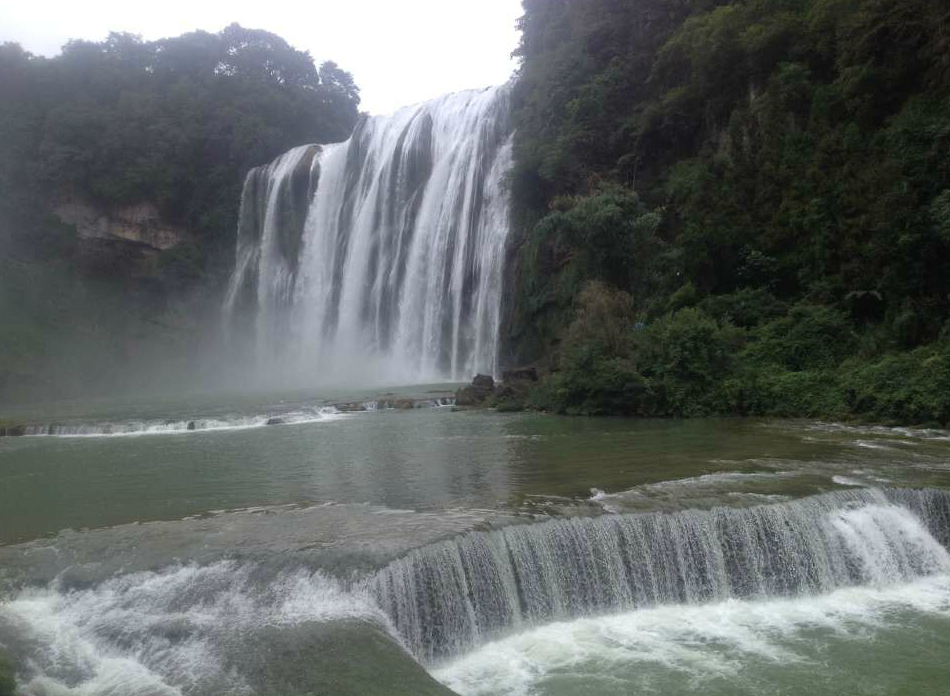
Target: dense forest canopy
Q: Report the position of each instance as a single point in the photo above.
(753, 195)
(176, 122)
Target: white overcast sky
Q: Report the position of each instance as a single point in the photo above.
(399, 51)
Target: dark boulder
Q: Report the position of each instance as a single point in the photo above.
(275, 421)
(482, 387)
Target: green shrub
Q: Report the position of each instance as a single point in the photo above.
(774, 391)
(747, 308)
(602, 386)
(909, 387)
(597, 374)
(808, 337)
(685, 354)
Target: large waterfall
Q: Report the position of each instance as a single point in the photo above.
(447, 597)
(380, 258)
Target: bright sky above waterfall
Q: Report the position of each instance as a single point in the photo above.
(399, 51)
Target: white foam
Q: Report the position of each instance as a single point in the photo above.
(161, 633)
(871, 444)
(701, 642)
(136, 428)
(890, 543)
(848, 481)
(881, 431)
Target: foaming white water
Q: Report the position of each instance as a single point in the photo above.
(380, 259)
(163, 633)
(700, 642)
(882, 431)
(890, 543)
(178, 427)
(449, 597)
(847, 481)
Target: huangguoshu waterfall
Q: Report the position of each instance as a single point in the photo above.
(379, 258)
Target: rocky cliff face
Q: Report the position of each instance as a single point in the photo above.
(122, 241)
(138, 224)
(124, 301)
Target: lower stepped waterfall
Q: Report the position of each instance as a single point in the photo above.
(446, 598)
(379, 258)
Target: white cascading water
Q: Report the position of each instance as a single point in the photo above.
(447, 598)
(492, 611)
(380, 258)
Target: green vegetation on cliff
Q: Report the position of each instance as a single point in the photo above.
(174, 124)
(735, 207)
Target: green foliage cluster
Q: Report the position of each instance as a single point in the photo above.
(789, 162)
(609, 236)
(688, 362)
(177, 122)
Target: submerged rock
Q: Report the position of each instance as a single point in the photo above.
(275, 421)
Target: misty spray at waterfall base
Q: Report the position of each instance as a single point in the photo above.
(379, 259)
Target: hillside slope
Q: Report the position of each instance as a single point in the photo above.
(734, 207)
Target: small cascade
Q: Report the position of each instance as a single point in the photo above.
(448, 597)
(380, 258)
(170, 426)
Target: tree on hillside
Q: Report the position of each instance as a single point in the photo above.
(177, 122)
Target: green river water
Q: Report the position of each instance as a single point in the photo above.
(140, 557)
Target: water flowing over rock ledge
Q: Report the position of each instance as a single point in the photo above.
(314, 414)
(448, 597)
